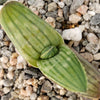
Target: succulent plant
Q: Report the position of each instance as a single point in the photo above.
(43, 48)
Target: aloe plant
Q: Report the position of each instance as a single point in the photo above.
(44, 48)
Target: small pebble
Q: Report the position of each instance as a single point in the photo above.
(65, 11)
(74, 18)
(95, 20)
(42, 11)
(52, 6)
(20, 66)
(43, 97)
(10, 75)
(33, 96)
(67, 2)
(62, 92)
(75, 4)
(6, 97)
(8, 83)
(92, 38)
(96, 56)
(93, 48)
(86, 17)
(91, 13)
(60, 12)
(56, 1)
(51, 21)
(37, 4)
(4, 59)
(20, 59)
(82, 9)
(1, 73)
(52, 14)
(6, 52)
(60, 19)
(74, 34)
(87, 56)
(13, 61)
(30, 2)
(46, 87)
(6, 90)
(61, 4)
(29, 90)
(1, 34)
(23, 92)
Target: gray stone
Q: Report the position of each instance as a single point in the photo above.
(51, 94)
(69, 93)
(60, 19)
(54, 98)
(6, 52)
(46, 87)
(30, 2)
(52, 6)
(75, 5)
(6, 97)
(92, 38)
(33, 96)
(1, 34)
(85, 42)
(8, 83)
(42, 11)
(11, 47)
(58, 25)
(93, 48)
(56, 1)
(87, 56)
(96, 28)
(36, 3)
(29, 73)
(1, 44)
(52, 14)
(95, 20)
(68, 2)
(65, 11)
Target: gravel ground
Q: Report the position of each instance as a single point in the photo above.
(78, 21)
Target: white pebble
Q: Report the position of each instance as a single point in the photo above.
(92, 38)
(97, 56)
(4, 59)
(61, 4)
(10, 75)
(1, 7)
(51, 21)
(74, 34)
(6, 90)
(1, 73)
(62, 92)
(91, 13)
(74, 18)
(20, 59)
(33, 96)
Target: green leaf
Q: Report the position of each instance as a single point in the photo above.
(28, 32)
(65, 70)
